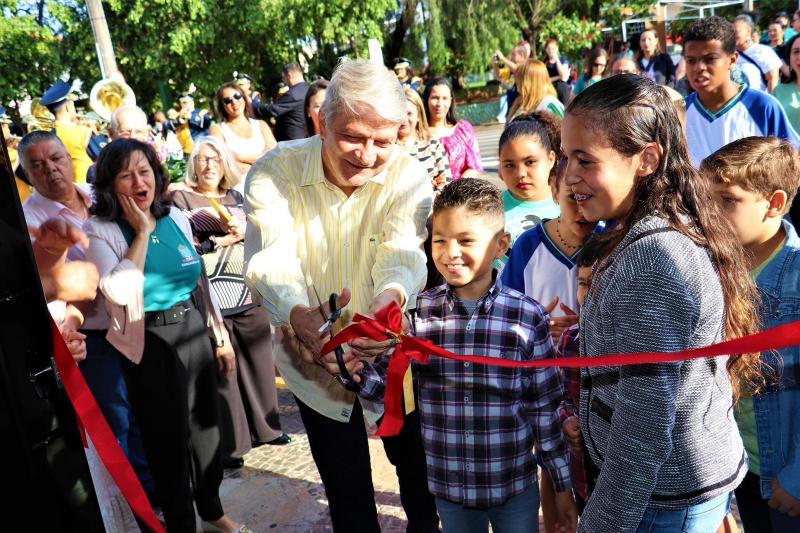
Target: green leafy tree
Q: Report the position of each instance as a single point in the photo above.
(30, 56)
(172, 43)
(463, 35)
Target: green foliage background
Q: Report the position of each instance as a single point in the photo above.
(163, 45)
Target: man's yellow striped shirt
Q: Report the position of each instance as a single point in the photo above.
(304, 232)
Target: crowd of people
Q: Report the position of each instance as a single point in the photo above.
(633, 219)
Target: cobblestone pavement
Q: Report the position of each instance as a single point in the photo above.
(279, 488)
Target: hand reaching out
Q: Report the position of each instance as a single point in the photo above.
(559, 323)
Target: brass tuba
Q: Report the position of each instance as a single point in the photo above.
(109, 94)
(40, 118)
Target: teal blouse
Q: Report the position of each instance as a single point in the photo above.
(171, 268)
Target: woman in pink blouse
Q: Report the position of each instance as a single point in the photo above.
(457, 136)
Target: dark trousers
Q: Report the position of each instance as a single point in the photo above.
(753, 510)
(102, 370)
(405, 452)
(173, 391)
(341, 453)
(249, 401)
(757, 517)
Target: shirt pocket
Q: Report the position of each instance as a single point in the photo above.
(368, 251)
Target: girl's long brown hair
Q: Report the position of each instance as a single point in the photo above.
(630, 111)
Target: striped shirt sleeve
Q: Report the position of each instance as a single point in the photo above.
(273, 268)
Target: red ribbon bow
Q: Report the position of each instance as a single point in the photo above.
(388, 324)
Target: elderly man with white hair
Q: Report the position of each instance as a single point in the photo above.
(343, 212)
(129, 122)
(126, 122)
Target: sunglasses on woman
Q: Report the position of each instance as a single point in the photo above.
(228, 100)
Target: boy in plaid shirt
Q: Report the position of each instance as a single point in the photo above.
(480, 423)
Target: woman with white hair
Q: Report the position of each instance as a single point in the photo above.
(249, 406)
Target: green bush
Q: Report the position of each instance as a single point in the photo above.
(574, 35)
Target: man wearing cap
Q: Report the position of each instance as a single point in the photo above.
(246, 83)
(405, 75)
(290, 121)
(74, 136)
(198, 119)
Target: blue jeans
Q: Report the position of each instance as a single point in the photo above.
(520, 514)
(701, 518)
(102, 370)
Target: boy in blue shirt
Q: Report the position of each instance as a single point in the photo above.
(721, 111)
(479, 422)
(754, 180)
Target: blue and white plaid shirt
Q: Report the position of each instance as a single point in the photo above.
(480, 423)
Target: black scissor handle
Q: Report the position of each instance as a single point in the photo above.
(335, 313)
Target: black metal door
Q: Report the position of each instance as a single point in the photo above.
(47, 486)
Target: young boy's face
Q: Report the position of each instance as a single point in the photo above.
(708, 65)
(747, 212)
(464, 247)
(584, 283)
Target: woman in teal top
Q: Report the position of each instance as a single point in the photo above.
(173, 388)
(788, 94)
(594, 71)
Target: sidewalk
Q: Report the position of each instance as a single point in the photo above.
(279, 488)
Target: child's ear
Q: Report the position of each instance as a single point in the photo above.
(503, 244)
(649, 159)
(734, 60)
(552, 158)
(777, 204)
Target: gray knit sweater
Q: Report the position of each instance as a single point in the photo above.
(662, 435)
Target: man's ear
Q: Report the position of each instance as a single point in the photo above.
(777, 204)
(322, 124)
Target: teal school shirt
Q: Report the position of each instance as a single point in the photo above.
(171, 268)
(522, 216)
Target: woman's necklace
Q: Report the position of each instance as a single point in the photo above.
(561, 238)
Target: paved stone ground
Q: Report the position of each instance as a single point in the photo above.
(279, 488)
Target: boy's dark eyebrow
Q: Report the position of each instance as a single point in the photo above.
(462, 234)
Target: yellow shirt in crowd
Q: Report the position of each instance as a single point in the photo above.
(303, 232)
(75, 138)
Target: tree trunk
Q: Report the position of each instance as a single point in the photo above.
(398, 37)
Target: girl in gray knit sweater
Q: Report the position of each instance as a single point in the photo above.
(663, 435)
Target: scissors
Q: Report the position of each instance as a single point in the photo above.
(335, 313)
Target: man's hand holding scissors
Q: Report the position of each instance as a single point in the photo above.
(308, 331)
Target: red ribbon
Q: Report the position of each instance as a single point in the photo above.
(388, 324)
(91, 418)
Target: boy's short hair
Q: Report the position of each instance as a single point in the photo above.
(758, 164)
(592, 251)
(710, 29)
(476, 195)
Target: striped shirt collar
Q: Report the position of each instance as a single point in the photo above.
(314, 173)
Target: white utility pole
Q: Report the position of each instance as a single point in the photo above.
(102, 39)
